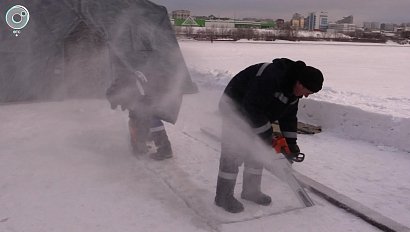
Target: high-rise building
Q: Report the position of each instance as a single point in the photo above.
(311, 21)
(317, 21)
(323, 21)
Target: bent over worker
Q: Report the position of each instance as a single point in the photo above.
(253, 99)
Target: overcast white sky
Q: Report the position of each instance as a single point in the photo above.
(383, 11)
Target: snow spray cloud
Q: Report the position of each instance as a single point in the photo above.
(141, 41)
(41, 62)
(240, 139)
(74, 53)
(21, 60)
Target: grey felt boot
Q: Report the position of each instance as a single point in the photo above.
(224, 196)
(251, 189)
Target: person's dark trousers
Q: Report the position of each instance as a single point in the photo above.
(139, 132)
(144, 128)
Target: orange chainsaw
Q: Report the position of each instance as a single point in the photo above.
(281, 146)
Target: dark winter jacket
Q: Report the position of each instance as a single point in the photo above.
(263, 95)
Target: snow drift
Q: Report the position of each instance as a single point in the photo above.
(355, 123)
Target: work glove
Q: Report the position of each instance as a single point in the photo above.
(126, 91)
(290, 150)
(293, 148)
(122, 93)
(294, 153)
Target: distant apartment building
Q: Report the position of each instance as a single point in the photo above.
(280, 23)
(387, 27)
(180, 14)
(318, 22)
(345, 28)
(371, 26)
(297, 21)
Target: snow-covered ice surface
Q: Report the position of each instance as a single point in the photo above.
(369, 76)
(67, 166)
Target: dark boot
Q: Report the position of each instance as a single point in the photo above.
(138, 136)
(224, 196)
(251, 189)
(164, 150)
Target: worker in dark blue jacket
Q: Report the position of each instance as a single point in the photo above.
(255, 98)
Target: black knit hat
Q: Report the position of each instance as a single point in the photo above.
(311, 78)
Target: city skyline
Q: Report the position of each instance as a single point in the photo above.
(382, 11)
